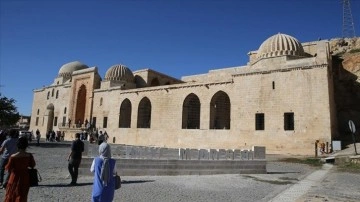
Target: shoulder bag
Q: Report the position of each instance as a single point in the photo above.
(34, 177)
(117, 181)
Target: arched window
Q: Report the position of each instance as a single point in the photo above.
(191, 112)
(101, 101)
(57, 94)
(52, 93)
(65, 110)
(220, 111)
(48, 95)
(144, 113)
(125, 114)
(38, 111)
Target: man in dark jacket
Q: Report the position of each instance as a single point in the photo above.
(74, 158)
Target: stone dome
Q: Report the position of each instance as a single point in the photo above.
(119, 73)
(67, 69)
(280, 45)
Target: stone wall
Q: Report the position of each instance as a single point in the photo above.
(305, 92)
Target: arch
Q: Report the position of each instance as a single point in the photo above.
(57, 94)
(144, 113)
(52, 92)
(80, 105)
(220, 111)
(155, 82)
(140, 82)
(125, 114)
(191, 112)
(50, 107)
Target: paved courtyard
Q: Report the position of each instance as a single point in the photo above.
(282, 177)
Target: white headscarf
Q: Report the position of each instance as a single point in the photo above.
(105, 154)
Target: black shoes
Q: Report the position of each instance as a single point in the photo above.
(73, 184)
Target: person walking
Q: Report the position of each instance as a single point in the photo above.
(77, 147)
(8, 147)
(62, 136)
(18, 186)
(106, 136)
(48, 136)
(104, 169)
(101, 138)
(38, 137)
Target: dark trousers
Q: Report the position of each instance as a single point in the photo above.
(73, 167)
(3, 163)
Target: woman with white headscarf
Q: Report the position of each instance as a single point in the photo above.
(104, 169)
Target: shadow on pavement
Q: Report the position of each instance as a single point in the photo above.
(284, 172)
(66, 185)
(136, 181)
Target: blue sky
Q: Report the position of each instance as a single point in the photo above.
(175, 37)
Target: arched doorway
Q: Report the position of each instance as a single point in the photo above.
(50, 117)
(191, 112)
(144, 113)
(125, 114)
(80, 105)
(220, 111)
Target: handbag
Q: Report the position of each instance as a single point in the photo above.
(117, 181)
(34, 177)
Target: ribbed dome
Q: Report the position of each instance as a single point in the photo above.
(119, 73)
(67, 69)
(280, 45)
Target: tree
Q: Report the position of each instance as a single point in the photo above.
(9, 115)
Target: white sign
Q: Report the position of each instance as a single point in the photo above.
(352, 126)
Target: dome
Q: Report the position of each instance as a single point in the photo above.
(280, 45)
(67, 69)
(119, 73)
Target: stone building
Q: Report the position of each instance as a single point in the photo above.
(283, 98)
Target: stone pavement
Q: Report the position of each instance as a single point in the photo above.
(297, 190)
(52, 163)
(336, 186)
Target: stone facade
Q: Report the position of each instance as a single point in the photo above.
(282, 99)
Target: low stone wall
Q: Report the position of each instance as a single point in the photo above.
(137, 161)
(142, 167)
(138, 152)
